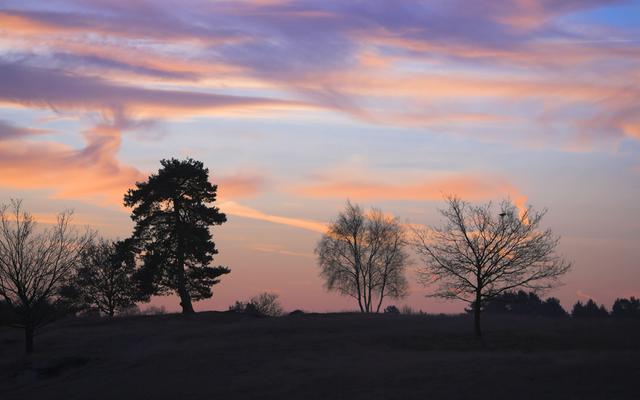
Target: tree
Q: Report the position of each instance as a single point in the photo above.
(589, 310)
(626, 308)
(34, 265)
(480, 253)
(552, 308)
(363, 256)
(173, 213)
(105, 279)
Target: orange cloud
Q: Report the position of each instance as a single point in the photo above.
(90, 173)
(233, 208)
(468, 187)
(239, 185)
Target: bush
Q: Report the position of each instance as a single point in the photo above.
(238, 307)
(265, 304)
(391, 310)
(296, 312)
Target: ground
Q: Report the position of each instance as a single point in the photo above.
(323, 356)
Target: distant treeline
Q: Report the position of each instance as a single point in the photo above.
(529, 303)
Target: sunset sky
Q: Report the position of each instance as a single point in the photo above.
(295, 106)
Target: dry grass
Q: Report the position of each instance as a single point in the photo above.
(323, 356)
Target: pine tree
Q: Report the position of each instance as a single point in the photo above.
(173, 212)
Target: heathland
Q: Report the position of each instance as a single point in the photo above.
(324, 356)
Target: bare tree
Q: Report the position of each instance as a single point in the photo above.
(105, 280)
(35, 264)
(480, 253)
(363, 256)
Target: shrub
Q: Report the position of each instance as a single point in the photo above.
(391, 310)
(267, 304)
(238, 306)
(263, 304)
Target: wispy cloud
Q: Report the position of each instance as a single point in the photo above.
(233, 208)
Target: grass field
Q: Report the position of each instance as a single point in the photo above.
(323, 356)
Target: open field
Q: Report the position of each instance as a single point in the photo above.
(323, 356)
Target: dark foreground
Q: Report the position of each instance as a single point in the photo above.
(333, 356)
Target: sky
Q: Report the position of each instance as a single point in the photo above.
(296, 106)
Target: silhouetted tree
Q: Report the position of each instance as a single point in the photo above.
(363, 256)
(626, 308)
(552, 308)
(480, 253)
(35, 265)
(105, 278)
(588, 310)
(173, 212)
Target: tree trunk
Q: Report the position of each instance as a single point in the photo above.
(384, 284)
(185, 298)
(379, 302)
(476, 317)
(28, 338)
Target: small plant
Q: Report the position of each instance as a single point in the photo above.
(392, 310)
(407, 310)
(154, 310)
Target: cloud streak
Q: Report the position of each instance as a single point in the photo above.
(238, 210)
